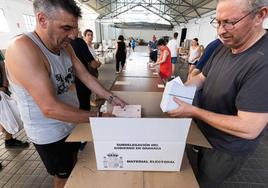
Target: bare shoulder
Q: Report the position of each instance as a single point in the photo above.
(24, 57)
(20, 47)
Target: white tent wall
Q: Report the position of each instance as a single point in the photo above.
(88, 22)
(14, 11)
(108, 32)
(201, 29)
(265, 24)
(88, 19)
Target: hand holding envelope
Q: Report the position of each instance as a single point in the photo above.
(184, 110)
(176, 95)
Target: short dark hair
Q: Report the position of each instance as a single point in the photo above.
(49, 6)
(196, 39)
(161, 42)
(175, 35)
(121, 37)
(87, 31)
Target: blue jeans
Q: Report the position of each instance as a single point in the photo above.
(173, 60)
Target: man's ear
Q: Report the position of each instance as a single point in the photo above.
(261, 15)
(42, 19)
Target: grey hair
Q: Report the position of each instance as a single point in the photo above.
(50, 6)
(253, 4)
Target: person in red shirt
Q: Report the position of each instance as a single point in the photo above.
(164, 60)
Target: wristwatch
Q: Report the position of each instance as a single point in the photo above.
(111, 98)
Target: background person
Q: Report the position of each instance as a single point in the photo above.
(173, 46)
(121, 53)
(194, 54)
(94, 65)
(152, 45)
(83, 92)
(211, 47)
(10, 142)
(164, 60)
(133, 43)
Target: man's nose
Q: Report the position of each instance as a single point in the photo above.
(221, 29)
(73, 34)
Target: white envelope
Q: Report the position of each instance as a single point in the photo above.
(175, 88)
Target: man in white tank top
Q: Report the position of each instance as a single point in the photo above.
(41, 67)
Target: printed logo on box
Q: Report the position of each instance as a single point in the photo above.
(113, 160)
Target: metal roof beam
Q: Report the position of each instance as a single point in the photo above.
(104, 6)
(200, 4)
(121, 12)
(158, 15)
(170, 7)
(192, 6)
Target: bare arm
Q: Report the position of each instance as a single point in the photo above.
(198, 55)
(163, 59)
(90, 81)
(29, 69)
(246, 125)
(197, 81)
(193, 73)
(166, 53)
(116, 47)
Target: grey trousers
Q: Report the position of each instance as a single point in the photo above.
(215, 166)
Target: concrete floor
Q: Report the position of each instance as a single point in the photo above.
(23, 168)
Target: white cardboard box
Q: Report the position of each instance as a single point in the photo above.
(175, 88)
(139, 144)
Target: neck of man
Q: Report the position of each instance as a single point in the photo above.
(46, 41)
(253, 38)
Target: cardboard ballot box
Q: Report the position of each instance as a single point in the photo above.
(143, 144)
(86, 175)
(152, 132)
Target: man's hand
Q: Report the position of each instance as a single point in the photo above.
(118, 102)
(184, 109)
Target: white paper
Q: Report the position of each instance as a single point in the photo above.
(178, 80)
(122, 83)
(161, 86)
(175, 88)
(129, 111)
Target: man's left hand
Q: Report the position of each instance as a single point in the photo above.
(184, 110)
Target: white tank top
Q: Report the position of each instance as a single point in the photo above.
(193, 55)
(40, 129)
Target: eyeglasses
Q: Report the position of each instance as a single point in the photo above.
(228, 25)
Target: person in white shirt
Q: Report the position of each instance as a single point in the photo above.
(173, 46)
(194, 54)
